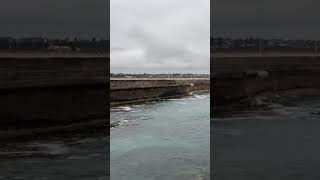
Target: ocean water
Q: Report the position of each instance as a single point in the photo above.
(65, 158)
(280, 142)
(166, 140)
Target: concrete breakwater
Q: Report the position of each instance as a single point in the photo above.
(40, 93)
(127, 90)
(239, 77)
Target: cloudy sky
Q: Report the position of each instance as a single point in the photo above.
(54, 18)
(293, 19)
(160, 36)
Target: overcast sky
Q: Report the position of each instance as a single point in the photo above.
(266, 18)
(54, 18)
(160, 36)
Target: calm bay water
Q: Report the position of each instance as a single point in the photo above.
(167, 140)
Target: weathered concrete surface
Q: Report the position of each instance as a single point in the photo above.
(47, 72)
(42, 92)
(238, 77)
(135, 90)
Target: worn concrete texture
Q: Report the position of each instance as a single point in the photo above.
(53, 91)
(47, 72)
(234, 78)
(130, 90)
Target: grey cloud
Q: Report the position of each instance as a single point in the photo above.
(156, 48)
(160, 36)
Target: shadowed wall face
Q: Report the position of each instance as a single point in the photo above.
(49, 107)
(53, 91)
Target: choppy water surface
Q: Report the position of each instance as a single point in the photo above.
(163, 141)
(277, 143)
(63, 158)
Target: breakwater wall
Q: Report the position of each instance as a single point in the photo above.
(128, 90)
(41, 92)
(235, 78)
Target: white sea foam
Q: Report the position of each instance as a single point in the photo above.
(122, 108)
(204, 96)
(174, 99)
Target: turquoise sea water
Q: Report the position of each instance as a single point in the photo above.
(169, 139)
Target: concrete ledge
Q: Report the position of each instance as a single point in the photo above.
(52, 93)
(44, 72)
(232, 82)
(34, 107)
(124, 91)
